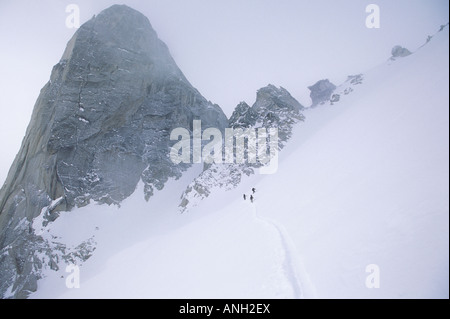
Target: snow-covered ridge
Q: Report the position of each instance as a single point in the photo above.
(363, 181)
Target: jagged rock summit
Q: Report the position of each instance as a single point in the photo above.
(274, 108)
(100, 125)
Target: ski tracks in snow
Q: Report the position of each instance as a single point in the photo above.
(300, 282)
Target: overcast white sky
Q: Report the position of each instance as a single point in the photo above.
(226, 48)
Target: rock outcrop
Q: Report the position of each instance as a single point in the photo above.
(400, 52)
(321, 92)
(274, 108)
(100, 125)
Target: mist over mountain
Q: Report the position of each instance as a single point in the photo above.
(361, 179)
(100, 125)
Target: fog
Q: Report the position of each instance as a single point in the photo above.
(227, 49)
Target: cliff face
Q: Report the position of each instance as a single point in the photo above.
(274, 108)
(101, 124)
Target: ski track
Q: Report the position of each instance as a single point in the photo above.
(289, 264)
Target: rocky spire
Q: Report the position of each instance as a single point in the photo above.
(100, 125)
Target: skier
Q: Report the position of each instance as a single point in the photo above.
(245, 197)
(253, 190)
(251, 198)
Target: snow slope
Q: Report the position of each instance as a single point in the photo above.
(363, 181)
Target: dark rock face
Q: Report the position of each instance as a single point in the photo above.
(321, 92)
(100, 125)
(243, 116)
(274, 108)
